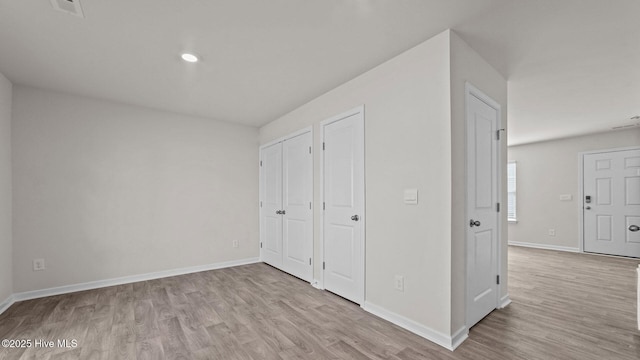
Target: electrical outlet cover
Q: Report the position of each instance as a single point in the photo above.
(38, 264)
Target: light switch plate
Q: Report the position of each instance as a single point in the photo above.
(411, 196)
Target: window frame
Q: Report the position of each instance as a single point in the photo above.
(512, 192)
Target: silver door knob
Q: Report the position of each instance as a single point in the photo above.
(278, 212)
(283, 212)
(355, 218)
(588, 207)
(473, 223)
(634, 228)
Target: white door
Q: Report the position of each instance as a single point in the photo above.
(271, 207)
(297, 213)
(611, 183)
(343, 189)
(482, 199)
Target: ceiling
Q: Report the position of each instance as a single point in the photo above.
(573, 66)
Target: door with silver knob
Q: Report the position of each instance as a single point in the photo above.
(343, 197)
(611, 202)
(286, 214)
(271, 202)
(297, 215)
(482, 120)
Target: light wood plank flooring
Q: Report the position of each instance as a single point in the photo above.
(565, 306)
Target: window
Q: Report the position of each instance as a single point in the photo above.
(511, 191)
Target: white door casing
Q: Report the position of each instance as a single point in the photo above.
(270, 217)
(611, 202)
(482, 222)
(343, 201)
(297, 197)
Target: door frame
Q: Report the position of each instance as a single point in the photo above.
(355, 111)
(471, 90)
(580, 202)
(308, 129)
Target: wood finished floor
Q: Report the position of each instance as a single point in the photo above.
(565, 306)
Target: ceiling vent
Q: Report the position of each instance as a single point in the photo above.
(68, 6)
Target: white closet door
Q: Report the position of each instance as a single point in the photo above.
(270, 216)
(482, 197)
(298, 216)
(344, 206)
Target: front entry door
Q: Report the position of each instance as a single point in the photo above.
(611, 203)
(343, 185)
(482, 201)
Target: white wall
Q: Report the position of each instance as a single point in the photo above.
(105, 190)
(468, 66)
(546, 170)
(6, 248)
(408, 145)
(415, 138)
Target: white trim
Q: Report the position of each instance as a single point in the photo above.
(515, 200)
(580, 203)
(446, 341)
(626, 148)
(288, 136)
(458, 337)
(504, 302)
(7, 303)
(323, 123)
(316, 284)
(638, 307)
(544, 246)
(28, 295)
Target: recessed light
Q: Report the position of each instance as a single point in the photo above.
(189, 57)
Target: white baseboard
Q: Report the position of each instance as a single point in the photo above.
(458, 337)
(544, 246)
(316, 284)
(28, 295)
(504, 301)
(7, 303)
(446, 341)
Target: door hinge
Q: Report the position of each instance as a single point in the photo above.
(323, 267)
(309, 205)
(309, 149)
(260, 203)
(498, 279)
(260, 244)
(323, 146)
(323, 206)
(498, 207)
(498, 134)
(309, 261)
(260, 162)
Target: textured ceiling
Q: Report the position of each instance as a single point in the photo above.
(572, 65)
